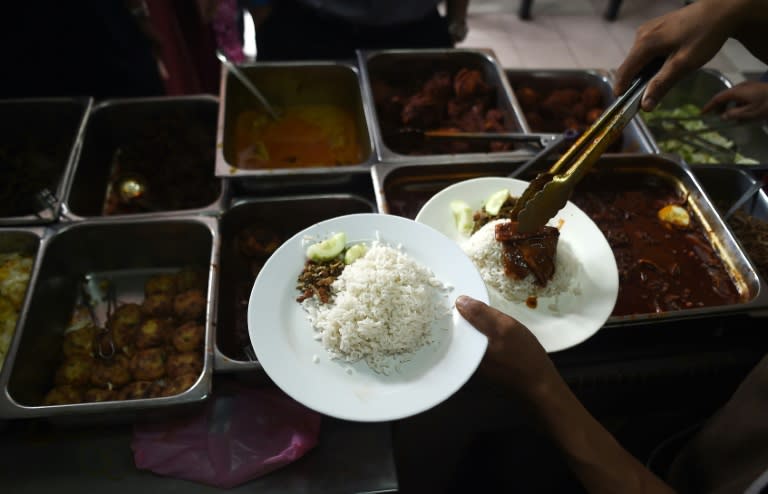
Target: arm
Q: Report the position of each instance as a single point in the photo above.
(456, 15)
(517, 361)
(689, 38)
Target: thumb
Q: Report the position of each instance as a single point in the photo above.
(479, 315)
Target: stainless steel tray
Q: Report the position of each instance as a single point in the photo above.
(415, 184)
(67, 252)
(634, 139)
(401, 63)
(292, 82)
(110, 124)
(698, 89)
(56, 125)
(286, 216)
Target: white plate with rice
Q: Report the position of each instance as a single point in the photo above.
(410, 276)
(579, 298)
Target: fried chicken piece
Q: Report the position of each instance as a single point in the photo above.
(526, 253)
(189, 305)
(528, 98)
(112, 373)
(75, 371)
(152, 332)
(161, 283)
(592, 115)
(188, 337)
(559, 102)
(158, 305)
(63, 395)
(468, 84)
(438, 87)
(134, 391)
(421, 111)
(255, 241)
(79, 342)
(535, 121)
(592, 97)
(184, 363)
(148, 364)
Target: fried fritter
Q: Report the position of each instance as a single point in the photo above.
(125, 315)
(177, 385)
(112, 373)
(63, 395)
(98, 394)
(161, 283)
(189, 305)
(158, 305)
(188, 337)
(152, 333)
(79, 342)
(189, 279)
(148, 364)
(184, 363)
(75, 371)
(134, 391)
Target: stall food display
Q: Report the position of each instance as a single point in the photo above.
(140, 225)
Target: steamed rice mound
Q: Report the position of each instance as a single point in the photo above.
(486, 254)
(383, 305)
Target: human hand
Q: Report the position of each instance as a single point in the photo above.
(750, 101)
(514, 356)
(688, 37)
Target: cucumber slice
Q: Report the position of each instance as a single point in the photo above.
(328, 248)
(354, 253)
(462, 216)
(496, 201)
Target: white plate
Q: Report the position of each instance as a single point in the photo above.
(578, 316)
(283, 337)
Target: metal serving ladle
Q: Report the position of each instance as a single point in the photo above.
(235, 71)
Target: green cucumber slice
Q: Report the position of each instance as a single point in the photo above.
(354, 253)
(462, 216)
(328, 248)
(496, 201)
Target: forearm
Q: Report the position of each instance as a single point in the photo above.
(595, 457)
(748, 21)
(456, 9)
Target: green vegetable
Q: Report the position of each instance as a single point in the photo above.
(462, 216)
(496, 201)
(354, 253)
(328, 248)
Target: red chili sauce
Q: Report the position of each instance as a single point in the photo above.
(661, 267)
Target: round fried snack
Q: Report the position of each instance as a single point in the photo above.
(188, 337)
(152, 332)
(134, 391)
(189, 305)
(162, 283)
(179, 384)
(190, 279)
(75, 371)
(125, 315)
(98, 394)
(109, 374)
(148, 364)
(63, 395)
(184, 363)
(255, 241)
(158, 305)
(79, 342)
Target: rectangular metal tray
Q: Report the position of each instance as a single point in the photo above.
(56, 125)
(285, 215)
(698, 89)
(292, 82)
(634, 139)
(417, 183)
(69, 251)
(425, 62)
(111, 123)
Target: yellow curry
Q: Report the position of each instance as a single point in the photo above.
(304, 135)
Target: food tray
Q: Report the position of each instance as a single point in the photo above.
(285, 215)
(413, 185)
(115, 122)
(634, 139)
(403, 63)
(698, 89)
(125, 251)
(292, 82)
(56, 125)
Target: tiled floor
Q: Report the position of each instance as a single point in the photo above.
(573, 34)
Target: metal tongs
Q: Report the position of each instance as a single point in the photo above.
(550, 191)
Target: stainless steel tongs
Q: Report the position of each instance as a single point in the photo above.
(550, 191)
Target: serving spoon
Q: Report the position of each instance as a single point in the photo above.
(235, 71)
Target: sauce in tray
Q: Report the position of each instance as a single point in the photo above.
(662, 267)
(303, 136)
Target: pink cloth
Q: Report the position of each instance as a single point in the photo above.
(235, 439)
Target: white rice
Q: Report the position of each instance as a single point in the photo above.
(486, 253)
(383, 305)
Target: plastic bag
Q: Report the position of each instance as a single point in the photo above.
(235, 439)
